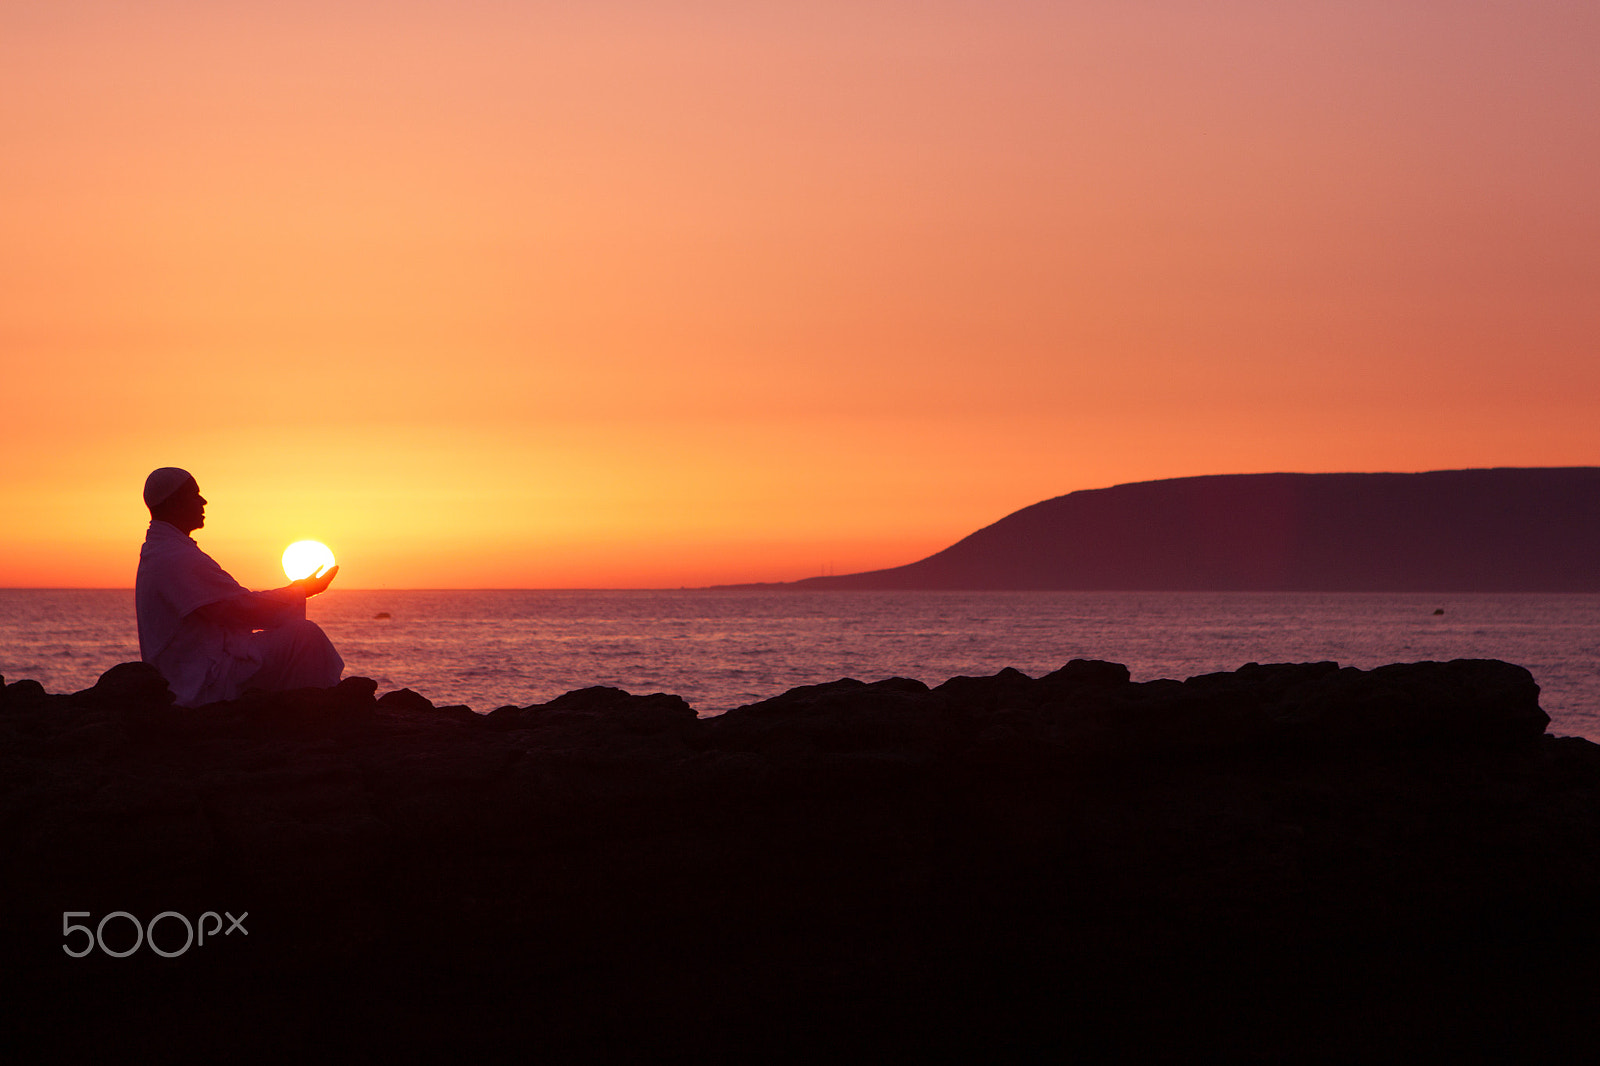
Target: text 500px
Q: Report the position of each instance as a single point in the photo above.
(146, 933)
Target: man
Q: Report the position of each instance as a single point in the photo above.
(210, 637)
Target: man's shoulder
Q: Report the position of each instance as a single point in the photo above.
(175, 572)
(169, 550)
(163, 540)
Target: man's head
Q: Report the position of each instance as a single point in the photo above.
(173, 496)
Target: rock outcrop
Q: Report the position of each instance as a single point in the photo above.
(1295, 862)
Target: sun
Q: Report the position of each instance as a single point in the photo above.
(305, 557)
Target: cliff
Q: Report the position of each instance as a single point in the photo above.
(1295, 862)
(1501, 530)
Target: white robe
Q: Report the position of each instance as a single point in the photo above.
(197, 624)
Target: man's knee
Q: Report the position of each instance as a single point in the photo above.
(297, 655)
(305, 631)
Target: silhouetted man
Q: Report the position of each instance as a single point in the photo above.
(210, 637)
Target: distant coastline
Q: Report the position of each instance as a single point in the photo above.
(1489, 530)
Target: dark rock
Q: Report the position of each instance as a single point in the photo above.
(600, 714)
(841, 716)
(1460, 702)
(1008, 688)
(135, 684)
(356, 691)
(1081, 674)
(405, 699)
(26, 691)
(406, 702)
(1397, 862)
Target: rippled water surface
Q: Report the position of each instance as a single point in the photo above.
(721, 649)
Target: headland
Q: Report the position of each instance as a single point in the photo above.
(1505, 529)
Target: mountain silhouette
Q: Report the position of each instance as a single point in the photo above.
(1496, 530)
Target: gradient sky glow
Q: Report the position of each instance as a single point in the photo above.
(496, 294)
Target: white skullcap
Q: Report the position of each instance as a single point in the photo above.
(163, 483)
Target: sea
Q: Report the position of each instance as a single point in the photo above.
(724, 648)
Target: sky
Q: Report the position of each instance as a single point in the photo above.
(510, 294)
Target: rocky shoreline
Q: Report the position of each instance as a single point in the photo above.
(1281, 863)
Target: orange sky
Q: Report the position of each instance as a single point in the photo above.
(491, 294)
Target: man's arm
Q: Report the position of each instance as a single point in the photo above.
(264, 610)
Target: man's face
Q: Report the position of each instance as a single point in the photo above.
(186, 508)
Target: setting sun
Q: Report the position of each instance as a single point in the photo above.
(306, 557)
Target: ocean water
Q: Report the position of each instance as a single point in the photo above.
(720, 649)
